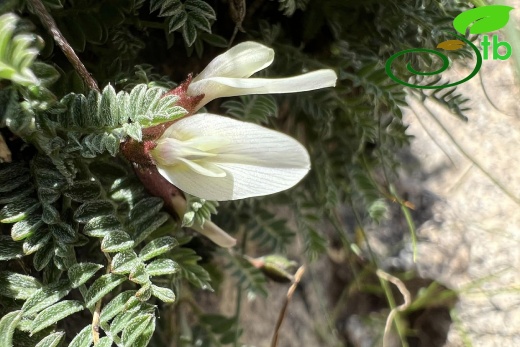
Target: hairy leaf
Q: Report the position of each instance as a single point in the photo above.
(101, 287)
(194, 273)
(26, 228)
(145, 228)
(83, 338)
(17, 286)
(135, 328)
(162, 267)
(36, 241)
(164, 294)
(157, 247)
(10, 249)
(122, 320)
(145, 209)
(139, 275)
(54, 314)
(18, 210)
(12, 173)
(16, 53)
(46, 296)
(83, 191)
(116, 241)
(80, 273)
(124, 262)
(92, 209)
(105, 342)
(7, 325)
(116, 305)
(146, 335)
(52, 340)
(100, 226)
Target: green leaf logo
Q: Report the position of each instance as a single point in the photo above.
(482, 19)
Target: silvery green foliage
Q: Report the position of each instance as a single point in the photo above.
(68, 199)
(290, 6)
(73, 195)
(198, 211)
(17, 55)
(189, 17)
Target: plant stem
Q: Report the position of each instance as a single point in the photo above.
(49, 23)
(401, 329)
(239, 292)
(512, 196)
(406, 296)
(97, 312)
(478, 3)
(409, 221)
(513, 38)
(297, 277)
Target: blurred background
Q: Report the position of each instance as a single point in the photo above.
(407, 225)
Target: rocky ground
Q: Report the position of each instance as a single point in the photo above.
(464, 177)
(472, 242)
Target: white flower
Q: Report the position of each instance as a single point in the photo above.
(227, 75)
(219, 158)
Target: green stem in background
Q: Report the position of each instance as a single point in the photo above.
(407, 298)
(510, 31)
(97, 311)
(404, 209)
(409, 221)
(430, 135)
(466, 340)
(330, 336)
(342, 234)
(392, 196)
(297, 277)
(348, 291)
(513, 38)
(478, 3)
(491, 102)
(399, 324)
(239, 293)
(461, 150)
(380, 139)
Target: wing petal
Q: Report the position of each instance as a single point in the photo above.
(218, 87)
(257, 161)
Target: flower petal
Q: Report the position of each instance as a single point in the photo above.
(169, 150)
(217, 87)
(216, 234)
(257, 161)
(204, 168)
(241, 61)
